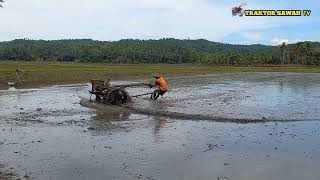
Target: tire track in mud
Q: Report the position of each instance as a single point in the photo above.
(177, 115)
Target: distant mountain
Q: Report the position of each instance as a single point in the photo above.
(203, 45)
(167, 50)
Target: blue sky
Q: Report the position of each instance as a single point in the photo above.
(154, 19)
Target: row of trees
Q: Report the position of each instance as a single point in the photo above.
(94, 51)
(230, 59)
(305, 53)
(160, 51)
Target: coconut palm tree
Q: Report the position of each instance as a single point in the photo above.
(282, 48)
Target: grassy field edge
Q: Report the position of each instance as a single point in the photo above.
(43, 73)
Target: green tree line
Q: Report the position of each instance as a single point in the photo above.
(171, 51)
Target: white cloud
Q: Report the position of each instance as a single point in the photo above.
(277, 41)
(117, 19)
(252, 36)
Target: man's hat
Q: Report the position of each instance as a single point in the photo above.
(157, 76)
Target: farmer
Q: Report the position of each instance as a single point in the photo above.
(163, 87)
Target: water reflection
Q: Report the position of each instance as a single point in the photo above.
(281, 87)
(112, 116)
(105, 122)
(160, 122)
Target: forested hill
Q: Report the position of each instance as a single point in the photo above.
(159, 51)
(206, 46)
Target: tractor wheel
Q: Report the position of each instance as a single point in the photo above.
(117, 97)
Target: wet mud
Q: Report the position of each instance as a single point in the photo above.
(57, 133)
(8, 173)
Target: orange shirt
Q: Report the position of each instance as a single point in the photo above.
(161, 82)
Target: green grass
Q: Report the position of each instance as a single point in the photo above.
(56, 73)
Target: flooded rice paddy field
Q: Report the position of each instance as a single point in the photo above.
(229, 126)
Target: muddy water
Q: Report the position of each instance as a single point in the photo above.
(46, 134)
